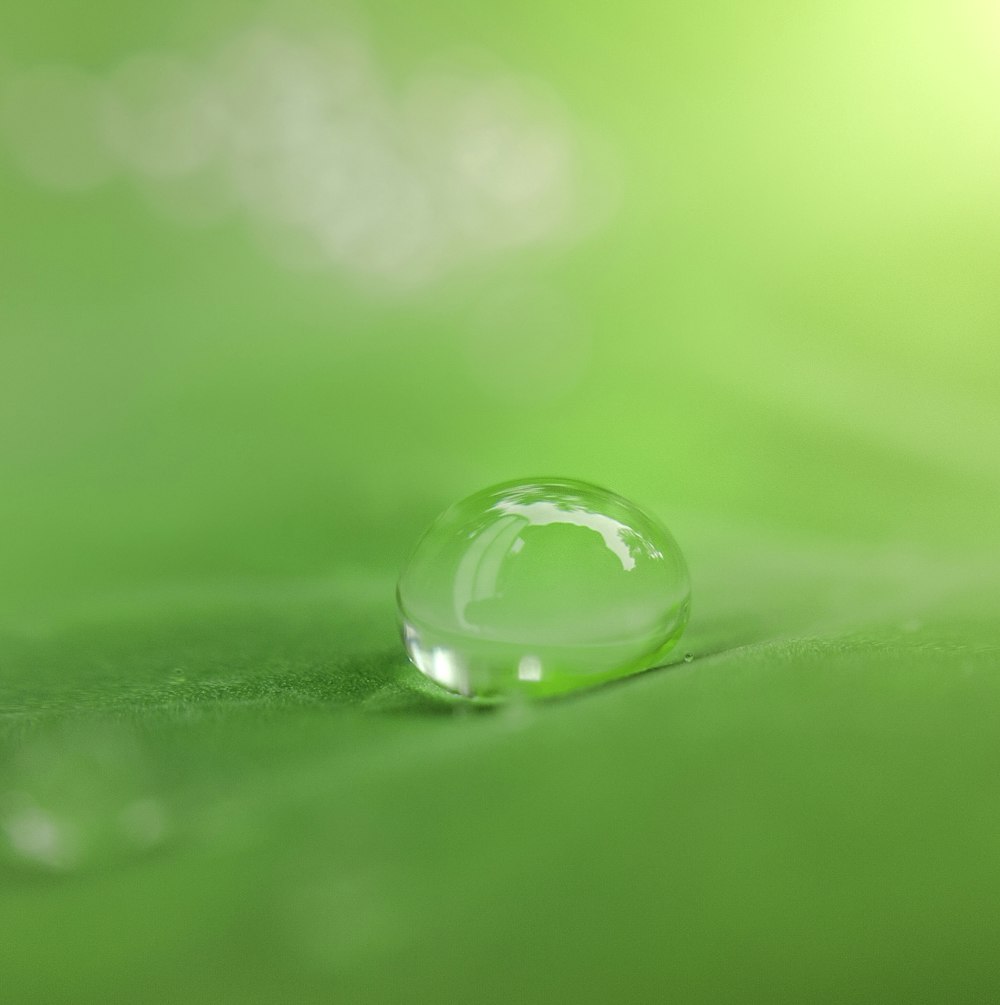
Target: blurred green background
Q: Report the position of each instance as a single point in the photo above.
(278, 284)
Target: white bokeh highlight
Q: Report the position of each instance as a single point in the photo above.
(331, 163)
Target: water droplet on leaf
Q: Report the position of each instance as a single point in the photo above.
(541, 587)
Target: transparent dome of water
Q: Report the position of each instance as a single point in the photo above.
(540, 587)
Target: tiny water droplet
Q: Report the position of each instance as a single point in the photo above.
(688, 657)
(541, 587)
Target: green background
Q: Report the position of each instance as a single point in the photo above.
(219, 778)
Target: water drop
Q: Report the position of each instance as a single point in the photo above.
(541, 587)
(688, 657)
